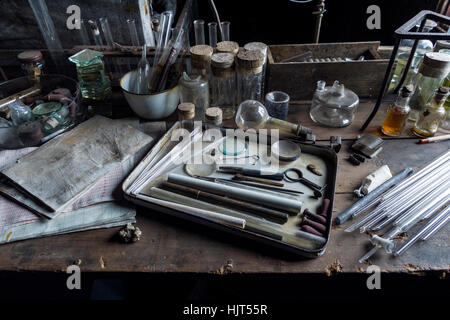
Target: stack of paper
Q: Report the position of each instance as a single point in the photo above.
(71, 180)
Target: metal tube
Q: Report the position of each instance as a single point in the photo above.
(428, 228)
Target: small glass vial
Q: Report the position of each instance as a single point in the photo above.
(249, 75)
(33, 64)
(430, 119)
(186, 114)
(213, 117)
(433, 70)
(194, 87)
(223, 84)
(398, 112)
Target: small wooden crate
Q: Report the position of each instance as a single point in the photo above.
(299, 79)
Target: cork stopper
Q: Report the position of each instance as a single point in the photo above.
(441, 44)
(201, 56)
(214, 115)
(407, 91)
(186, 111)
(30, 56)
(228, 46)
(250, 61)
(442, 93)
(258, 46)
(222, 64)
(435, 64)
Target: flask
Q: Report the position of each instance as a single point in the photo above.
(430, 118)
(432, 71)
(398, 112)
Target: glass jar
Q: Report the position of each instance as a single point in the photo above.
(395, 120)
(333, 106)
(32, 62)
(223, 84)
(446, 122)
(261, 47)
(431, 117)
(432, 71)
(249, 75)
(404, 51)
(194, 88)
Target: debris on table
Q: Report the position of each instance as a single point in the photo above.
(130, 233)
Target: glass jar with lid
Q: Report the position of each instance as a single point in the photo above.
(193, 86)
(432, 72)
(223, 84)
(249, 75)
(32, 62)
(333, 106)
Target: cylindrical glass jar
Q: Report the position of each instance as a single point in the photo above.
(223, 84)
(194, 87)
(249, 75)
(261, 47)
(433, 70)
(32, 62)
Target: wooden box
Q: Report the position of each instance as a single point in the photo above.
(299, 79)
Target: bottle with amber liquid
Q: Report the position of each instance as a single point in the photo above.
(397, 114)
(430, 118)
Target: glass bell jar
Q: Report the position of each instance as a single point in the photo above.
(333, 106)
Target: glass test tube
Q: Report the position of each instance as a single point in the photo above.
(133, 32)
(96, 34)
(107, 32)
(84, 34)
(212, 31)
(199, 30)
(48, 30)
(225, 30)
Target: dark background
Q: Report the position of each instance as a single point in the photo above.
(272, 22)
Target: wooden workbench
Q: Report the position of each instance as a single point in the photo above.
(171, 245)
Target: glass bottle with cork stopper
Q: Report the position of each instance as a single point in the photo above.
(213, 117)
(398, 112)
(249, 75)
(430, 118)
(186, 114)
(223, 84)
(194, 86)
(32, 62)
(432, 71)
(261, 47)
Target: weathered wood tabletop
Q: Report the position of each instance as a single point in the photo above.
(171, 245)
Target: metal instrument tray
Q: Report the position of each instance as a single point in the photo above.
(323, 157)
